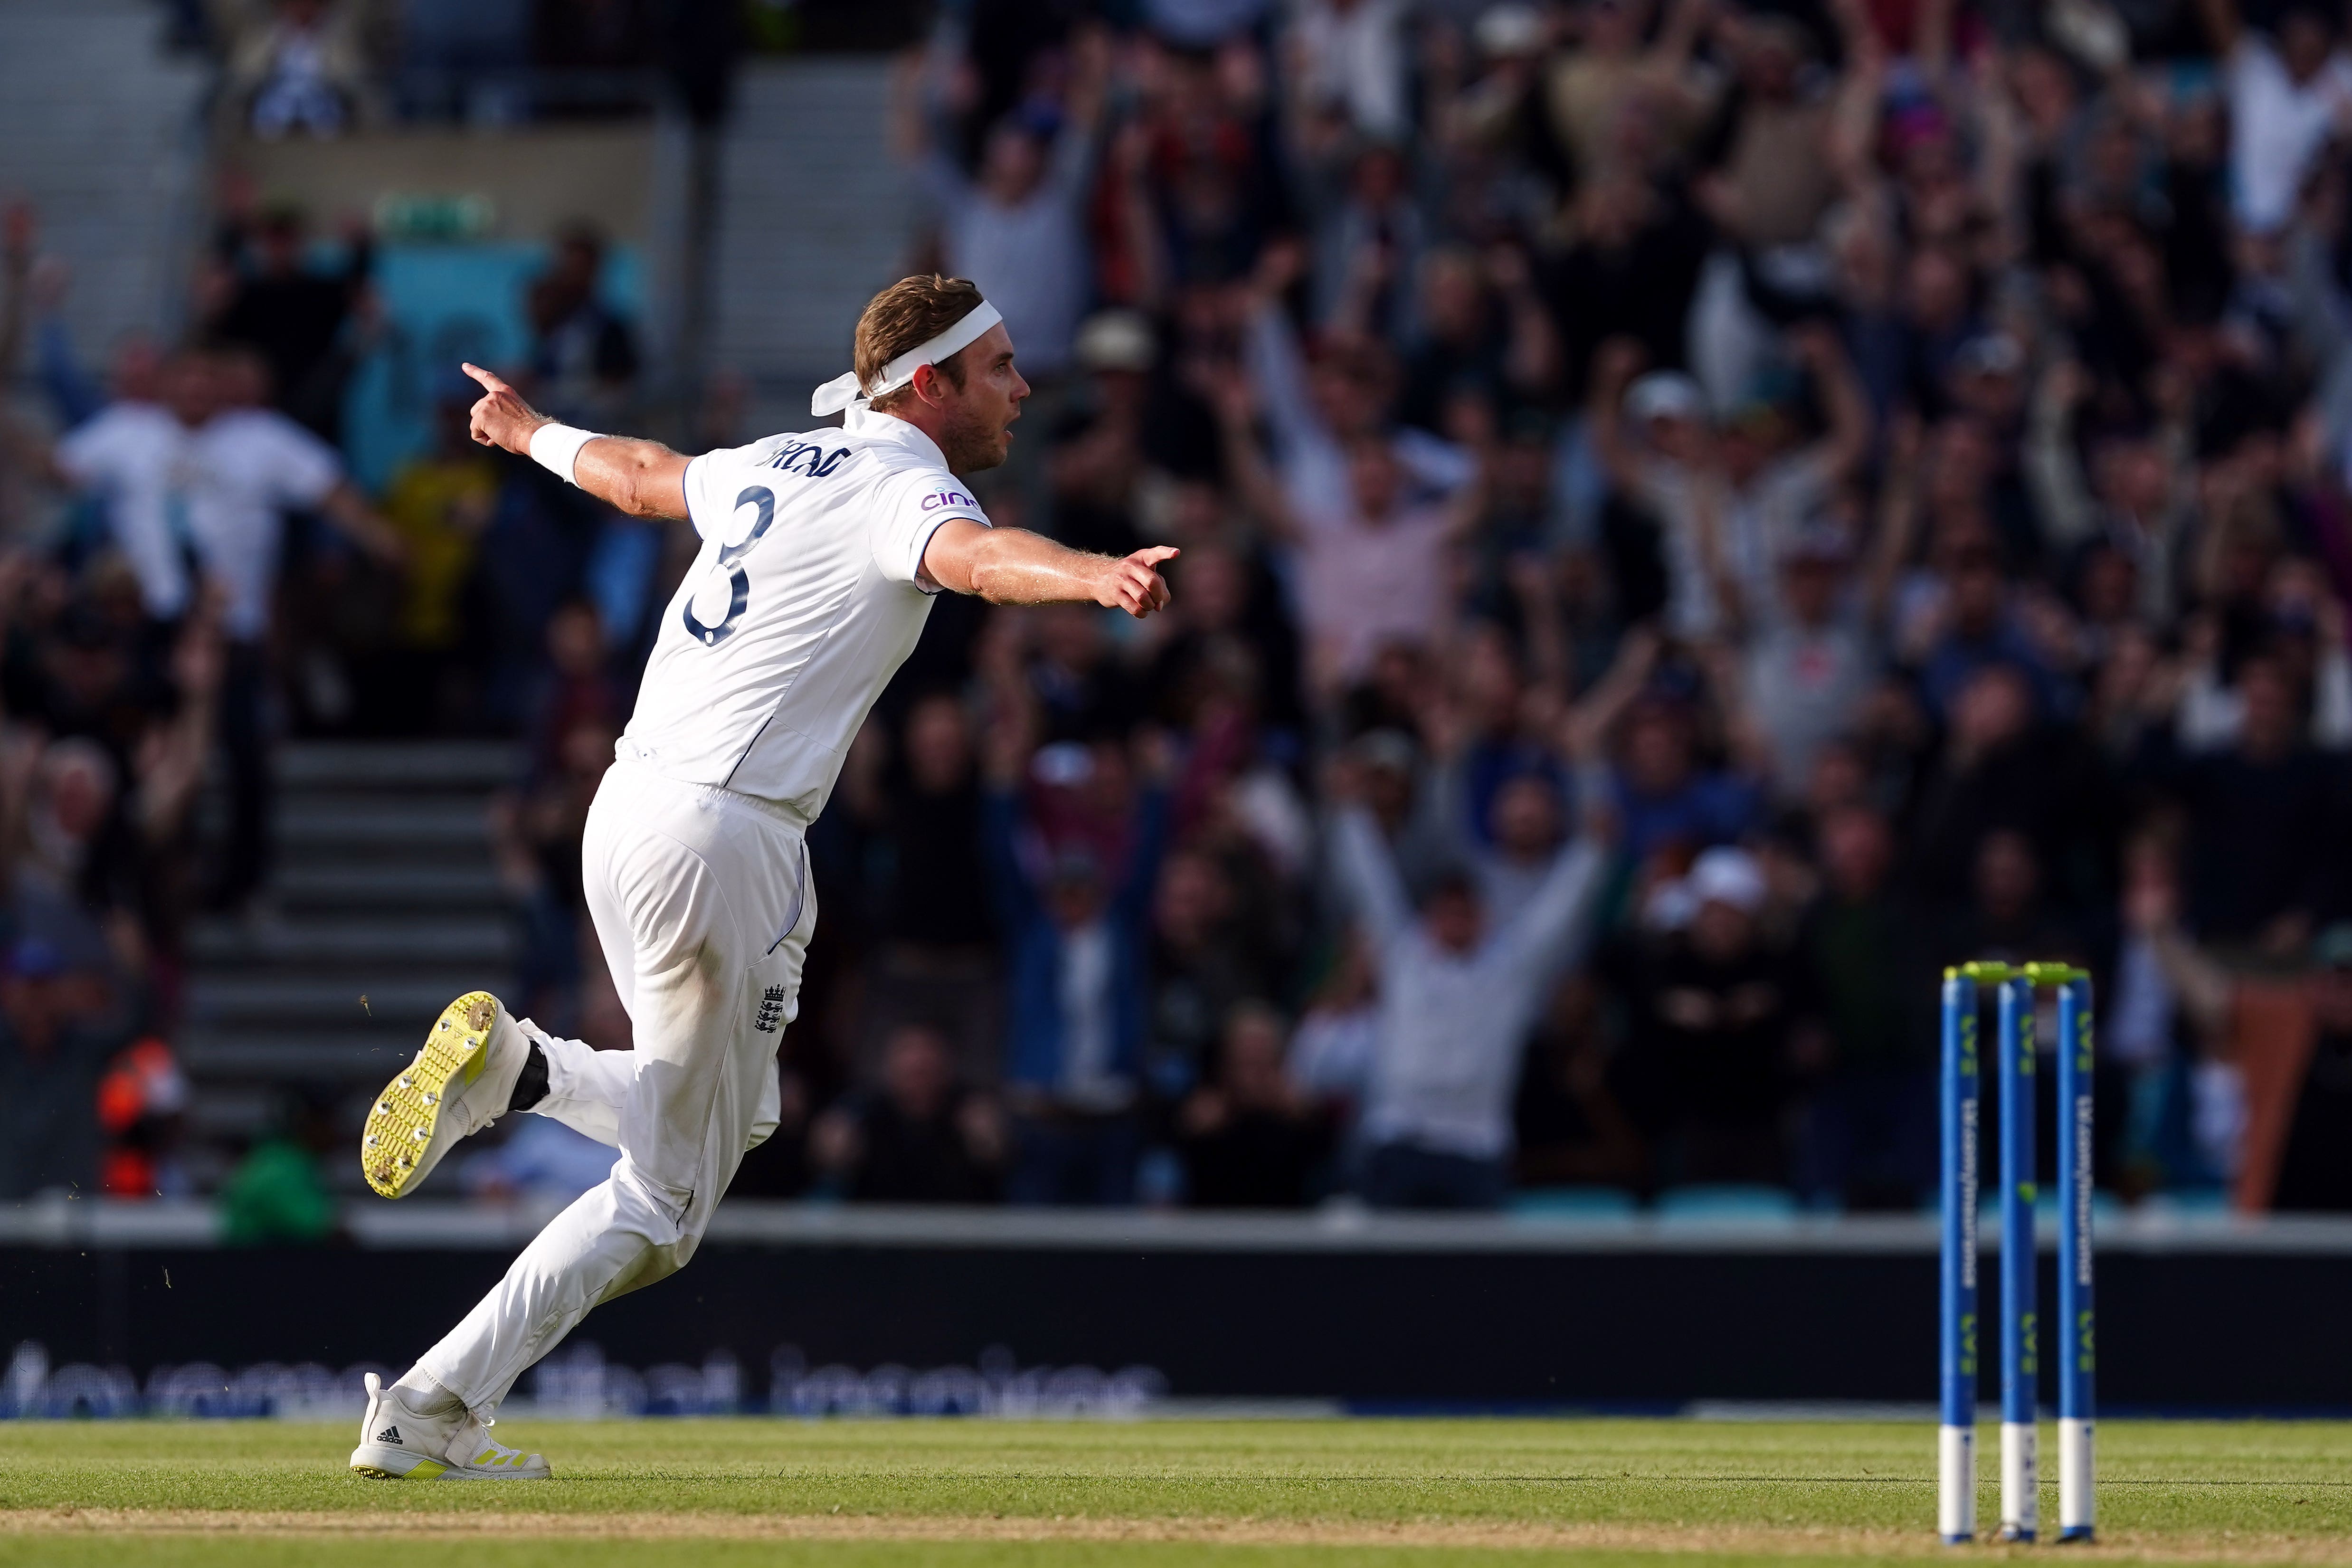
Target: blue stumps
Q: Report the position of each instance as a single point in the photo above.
(1955, 1458)
(1962, 1084)
(2021, 1367)
(2076, 1475)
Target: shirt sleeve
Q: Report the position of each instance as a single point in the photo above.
(303, 468)
(1555, 922)
(1073, 162)
(700, 511)
(2242, 71)
(715, 484)
(84, 452)
(1319, 518)
(1369, 872)
(1270, 349)
(907, 511)
(945, 186)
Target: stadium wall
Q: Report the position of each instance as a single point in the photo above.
(530, 182)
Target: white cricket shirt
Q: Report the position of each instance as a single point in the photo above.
(806, 596)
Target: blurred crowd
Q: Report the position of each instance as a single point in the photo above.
(329, 67)
(1694, 518)
(189, 575)
(1695, 515)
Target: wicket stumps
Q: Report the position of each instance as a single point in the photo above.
(2020, 1363)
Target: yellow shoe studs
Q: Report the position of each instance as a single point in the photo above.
(405, 1114)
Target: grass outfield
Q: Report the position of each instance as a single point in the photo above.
(715, 1494)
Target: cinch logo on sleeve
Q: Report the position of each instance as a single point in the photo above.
(939, 498)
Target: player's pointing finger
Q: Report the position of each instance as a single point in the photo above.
(1155, 555)
(489, 380)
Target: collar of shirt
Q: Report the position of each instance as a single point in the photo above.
(889, 427)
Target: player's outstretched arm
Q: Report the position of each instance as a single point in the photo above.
(1013, 566)
(643, 478)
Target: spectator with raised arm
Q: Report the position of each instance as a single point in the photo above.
(1732, 499)
(1316, 410)
(299, 70)
(1807, 673)
(200, 497)
(1669, 802)
(2290, 88)
(1484, 331)
(1015, 226)
(1457, 998)
(1373, 568)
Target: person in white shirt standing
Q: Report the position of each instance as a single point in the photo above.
(2289, 92)
(1457, 997)
(1016, 226)
(820, 553)
(197, 488)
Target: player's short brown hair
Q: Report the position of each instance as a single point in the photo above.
(906, 315)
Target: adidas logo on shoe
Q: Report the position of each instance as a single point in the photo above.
(389, 1434)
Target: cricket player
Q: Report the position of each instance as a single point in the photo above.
(820, 555)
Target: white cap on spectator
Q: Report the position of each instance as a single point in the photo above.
(1115, 340)
(1664, 395)
(1509, 30)
(1726, 876)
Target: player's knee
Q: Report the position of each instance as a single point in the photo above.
(647, 1206)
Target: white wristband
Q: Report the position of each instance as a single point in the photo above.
(556, 448)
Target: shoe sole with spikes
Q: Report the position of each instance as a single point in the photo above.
(400, 1143)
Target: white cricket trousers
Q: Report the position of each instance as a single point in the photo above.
(701, 899)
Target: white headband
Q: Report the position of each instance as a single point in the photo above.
(842, 391)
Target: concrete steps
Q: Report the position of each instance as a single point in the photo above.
(348, 941)
(98, 130)
(312, 824)
(386, 886)
(373, 766)
(314, 997)
(813, 217)
(385, 906)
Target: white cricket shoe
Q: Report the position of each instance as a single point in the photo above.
(460, 1083)
(396, 1443)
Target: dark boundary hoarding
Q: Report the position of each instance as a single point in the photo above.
(1414, 1315)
